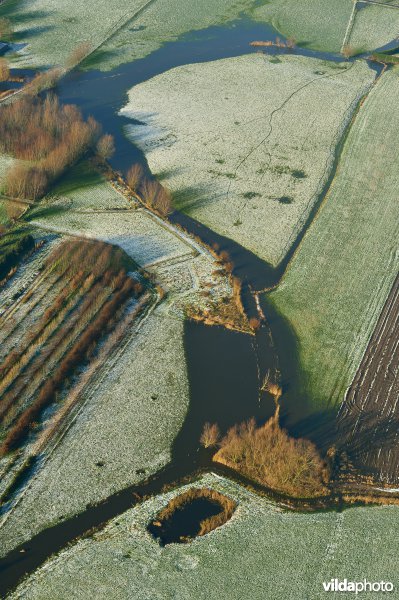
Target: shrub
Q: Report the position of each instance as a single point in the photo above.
(5, 29)
(78, 54)
(210, 435)
(254, 323)
(106, 146)
(43, 81)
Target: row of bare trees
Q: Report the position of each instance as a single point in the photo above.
(78, 353)
(271, 457)
(153, 194)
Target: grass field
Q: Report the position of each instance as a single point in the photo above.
(136, 29)
(127, 32)
(83, 188)
(262, 552)
(132, 414)
(374, 27)
(248, 161)
(134, 231)
(317, 24)
(338, 281)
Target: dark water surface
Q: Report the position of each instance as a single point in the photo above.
(185, 521)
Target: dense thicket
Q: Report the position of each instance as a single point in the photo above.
(270, 456)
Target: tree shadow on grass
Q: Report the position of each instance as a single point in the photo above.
(82, 175)
(44, 212)
(31, 32)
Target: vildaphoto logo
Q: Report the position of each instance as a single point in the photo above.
(337, 585)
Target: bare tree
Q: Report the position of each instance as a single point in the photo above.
(210, 435)
(4, 70)
(106, 146)
(135, 176)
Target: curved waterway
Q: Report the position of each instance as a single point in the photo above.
(225, 368)
(103, 94)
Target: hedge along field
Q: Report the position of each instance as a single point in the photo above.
(340, 277)
(247, 160)
(262, 552)
(374, 26)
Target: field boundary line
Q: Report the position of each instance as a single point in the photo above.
(350, 25)
(115, 28)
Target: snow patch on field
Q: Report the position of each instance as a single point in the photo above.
(246, 144)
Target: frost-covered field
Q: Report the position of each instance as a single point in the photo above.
(262, 552)
(134, 29)
(128, 31)
(53, 29)
(132, 415)
(374, 27)
(84, 189)
(246, 144)
(338, 281)
(319, 24)
(143, 238)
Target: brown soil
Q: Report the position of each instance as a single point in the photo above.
(368, 423)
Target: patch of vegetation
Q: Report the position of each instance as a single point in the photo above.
(285, 199)
(48, 135)
(298, 174)
(269, 456)
(13, 247)
(338, 281)
(250, 195)
(86, 306)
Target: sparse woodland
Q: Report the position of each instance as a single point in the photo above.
(48, 136)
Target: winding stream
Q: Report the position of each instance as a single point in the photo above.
(234, 362)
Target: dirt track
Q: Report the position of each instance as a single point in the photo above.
(369, 418)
